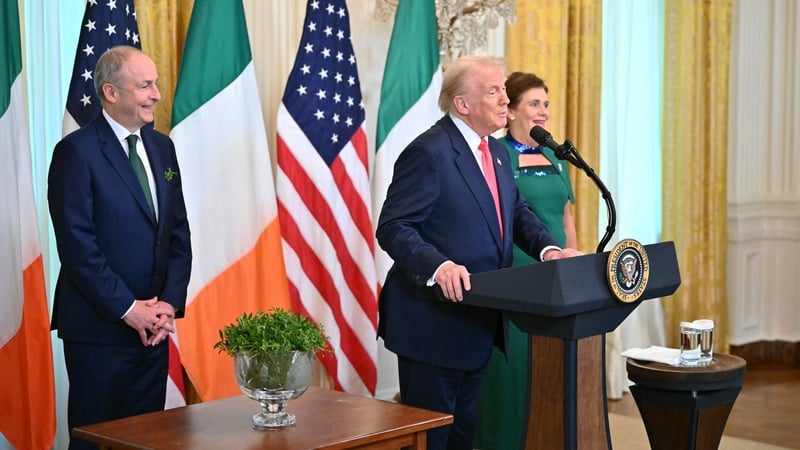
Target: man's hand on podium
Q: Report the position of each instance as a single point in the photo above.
(560, 254)
(450, 278)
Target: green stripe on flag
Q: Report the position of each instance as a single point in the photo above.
(10, 51)
(217, 50)
(412, 60)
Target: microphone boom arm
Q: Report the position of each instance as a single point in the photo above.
(569, 153)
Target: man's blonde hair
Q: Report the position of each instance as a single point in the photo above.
(456, 77)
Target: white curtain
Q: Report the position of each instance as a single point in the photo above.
(630, 143)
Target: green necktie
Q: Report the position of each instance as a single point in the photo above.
(138, 168)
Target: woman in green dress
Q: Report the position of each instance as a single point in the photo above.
(544, 182)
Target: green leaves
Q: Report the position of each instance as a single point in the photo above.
(275, 332)
(169, 174)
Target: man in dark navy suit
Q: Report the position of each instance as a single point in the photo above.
(453, 209)
(124, 245)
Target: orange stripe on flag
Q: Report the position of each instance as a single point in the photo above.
(256, 282)
(27, 389)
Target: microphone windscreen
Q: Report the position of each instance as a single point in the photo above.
(543, 137)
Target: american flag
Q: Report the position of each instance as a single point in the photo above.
(104, 26)
(323, 197)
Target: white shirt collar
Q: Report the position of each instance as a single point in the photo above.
(472, 138)
(120, 131)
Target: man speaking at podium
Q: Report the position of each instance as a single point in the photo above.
(453, 209)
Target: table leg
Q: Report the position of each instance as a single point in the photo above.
(693, 420)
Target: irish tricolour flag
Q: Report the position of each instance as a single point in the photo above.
(221, 141)
(409, 94)
(27, 392)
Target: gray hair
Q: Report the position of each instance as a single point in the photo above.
(109, 65)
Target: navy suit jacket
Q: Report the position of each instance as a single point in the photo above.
(438, 208)
(111, 249)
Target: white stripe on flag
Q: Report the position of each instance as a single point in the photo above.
(323, 314)
(323, 192)
(216, 170)
(314, 234)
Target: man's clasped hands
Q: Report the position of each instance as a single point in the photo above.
(154, 317)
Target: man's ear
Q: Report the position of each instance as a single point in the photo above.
(461, 105)
(109, 93)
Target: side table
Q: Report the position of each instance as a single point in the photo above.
(326, 419)
(686, 407)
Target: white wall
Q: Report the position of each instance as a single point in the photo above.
(764, 172)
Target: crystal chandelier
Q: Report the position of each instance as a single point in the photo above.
(463, 24)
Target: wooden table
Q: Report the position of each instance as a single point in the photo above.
(686, 407)
(326, 419)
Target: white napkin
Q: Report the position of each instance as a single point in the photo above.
(671, 356)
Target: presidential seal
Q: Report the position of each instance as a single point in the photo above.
(627, 270)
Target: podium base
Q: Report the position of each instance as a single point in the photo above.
(568, 396)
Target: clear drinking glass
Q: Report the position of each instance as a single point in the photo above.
(706, 328)
(690, 344)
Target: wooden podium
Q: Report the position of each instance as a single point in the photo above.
(566, 306)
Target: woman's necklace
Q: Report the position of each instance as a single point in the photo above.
(522, 148)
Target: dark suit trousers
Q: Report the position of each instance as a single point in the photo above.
(451, 391)
(109, 382)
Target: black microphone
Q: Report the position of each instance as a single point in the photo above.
(565, 152)
(544, 137)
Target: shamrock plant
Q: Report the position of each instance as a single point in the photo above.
(278, 331)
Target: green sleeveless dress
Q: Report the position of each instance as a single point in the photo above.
(506, 391)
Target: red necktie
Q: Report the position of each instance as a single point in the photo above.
(491, 180)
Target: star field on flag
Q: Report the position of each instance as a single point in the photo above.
(106, 23)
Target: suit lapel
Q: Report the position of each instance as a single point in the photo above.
(505, 183)
(474, 180)
(116, 156)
